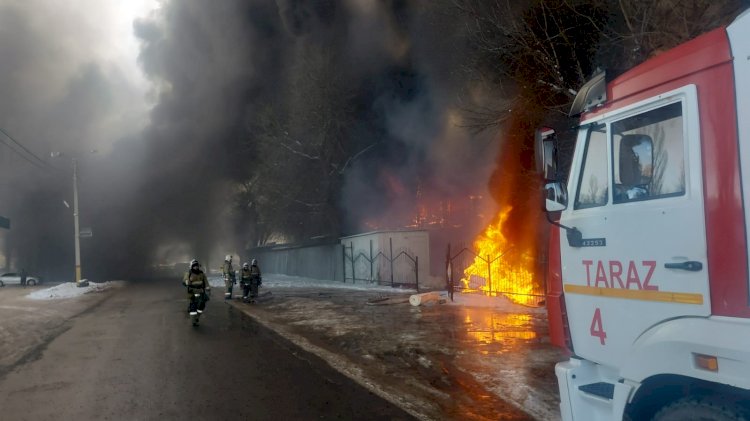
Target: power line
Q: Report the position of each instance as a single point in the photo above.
(26, 158)
(44, 163)
(21, 155)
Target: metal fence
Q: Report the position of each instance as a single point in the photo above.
(511, 273)
(317, 261)
(395, 268)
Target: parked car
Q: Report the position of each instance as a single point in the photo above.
(15, 278)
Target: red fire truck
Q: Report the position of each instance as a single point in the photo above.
(648, 268)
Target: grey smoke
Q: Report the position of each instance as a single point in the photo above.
(54, 97)
(166, 187)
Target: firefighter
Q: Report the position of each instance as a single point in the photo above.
(255, 280)
(229, 276)
(197, 283)
(245, 280)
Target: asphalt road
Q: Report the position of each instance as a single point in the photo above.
(135, 356)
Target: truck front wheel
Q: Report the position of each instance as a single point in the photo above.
(693, 409)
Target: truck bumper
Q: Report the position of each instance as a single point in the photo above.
(590, 392)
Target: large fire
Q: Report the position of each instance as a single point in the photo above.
(500, 268)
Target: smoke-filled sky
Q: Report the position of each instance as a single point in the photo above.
(68, 72)
(69, 83)
(167, 94)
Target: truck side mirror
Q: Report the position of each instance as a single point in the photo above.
(546, 153)
(555, 197)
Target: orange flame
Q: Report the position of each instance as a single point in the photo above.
(499, 268)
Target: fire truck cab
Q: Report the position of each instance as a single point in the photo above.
(648, 282)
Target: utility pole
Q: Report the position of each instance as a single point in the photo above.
(75, 218)
(76, 225)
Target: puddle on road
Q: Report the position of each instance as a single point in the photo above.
(507, 330)
(484, 329)
(507, 353)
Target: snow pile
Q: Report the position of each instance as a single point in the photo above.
(70, 290)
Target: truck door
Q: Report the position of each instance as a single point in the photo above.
(637, 200)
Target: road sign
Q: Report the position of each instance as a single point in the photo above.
(86, 232)
(4, 222)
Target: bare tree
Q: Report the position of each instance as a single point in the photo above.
(649, 27)
(540, 50)
(544, 50)
(304, 147)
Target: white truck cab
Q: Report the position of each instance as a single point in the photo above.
(648, 269)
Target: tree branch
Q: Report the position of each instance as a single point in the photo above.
(300, 153)
(355, 156)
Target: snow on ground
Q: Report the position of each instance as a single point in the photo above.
(502, 304)
(286, 281)
(70, 290)
(215, 281)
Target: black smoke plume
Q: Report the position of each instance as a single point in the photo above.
(169, 191)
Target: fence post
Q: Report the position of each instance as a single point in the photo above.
(449, 276)
(489, 274)
(343, 260)
(416, 268)
(354, 275)
(390, 240)
(371, 274)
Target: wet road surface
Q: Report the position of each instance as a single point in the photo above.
(135, 356)
(446, 362)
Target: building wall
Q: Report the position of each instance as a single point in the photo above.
(321, 261)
